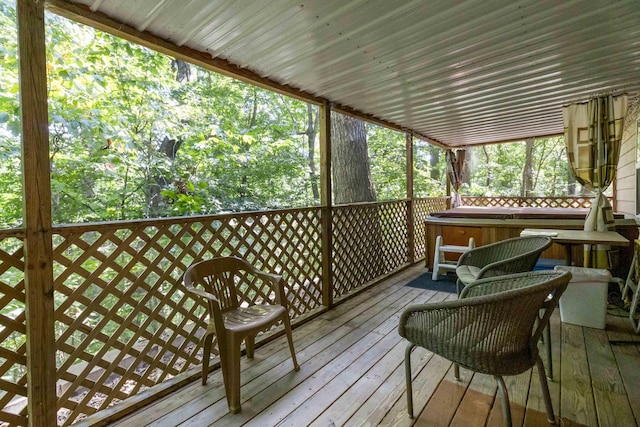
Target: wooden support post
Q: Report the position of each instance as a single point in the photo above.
(326, 199)
(36, 179)
(411, 249)
(448, 190)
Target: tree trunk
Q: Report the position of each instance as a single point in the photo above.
(527, 171)
(466, 173)
(487, 181)
(357, 239)
(571, 183)
(434, 159)
(251, 122)
(310, 133)
(351, 170)
(169, 147)
(182, 69)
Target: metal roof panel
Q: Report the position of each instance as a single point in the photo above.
(461, 72)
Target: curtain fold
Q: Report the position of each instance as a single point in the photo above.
(592, 136)
(455, 169)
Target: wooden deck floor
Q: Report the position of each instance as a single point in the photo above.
(352, 374)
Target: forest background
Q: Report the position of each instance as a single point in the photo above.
(137, 134)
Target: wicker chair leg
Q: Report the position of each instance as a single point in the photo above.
(545, 392)
(407, 371)
(456, 371)
(506, 409)
(547, 343)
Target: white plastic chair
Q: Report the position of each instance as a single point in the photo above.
(440, 262)
(631, 285)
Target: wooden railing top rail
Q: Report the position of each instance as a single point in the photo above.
(114, 225)
(532, 201)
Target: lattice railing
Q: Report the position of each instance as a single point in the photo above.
(13, 347)
(123, 321)
(369, 240)
(529, 202)
(421, 210)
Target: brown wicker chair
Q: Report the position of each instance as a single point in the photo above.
(495, 334)
(509, 256)
(220, 279)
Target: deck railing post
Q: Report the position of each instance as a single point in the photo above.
(326, 200)
(36, 179)
(410, 216)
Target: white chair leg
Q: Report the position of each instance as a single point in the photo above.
(437, 258)
(631, 286)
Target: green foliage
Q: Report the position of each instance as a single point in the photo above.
(10, 169)
(130, 138)
(387, 153)
(496, 170)
(430, 170)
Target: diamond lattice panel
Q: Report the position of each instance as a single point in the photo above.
(13, 362)
(421, 210)
(529, 202)
(369, 241)
(123, 321)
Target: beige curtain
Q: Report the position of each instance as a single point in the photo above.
(455, 168)
(592, 134)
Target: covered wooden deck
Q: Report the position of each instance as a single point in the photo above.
(352, 374)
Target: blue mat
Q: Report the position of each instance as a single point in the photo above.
(446, 283)
(547, 264)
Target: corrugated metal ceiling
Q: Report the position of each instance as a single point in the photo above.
(459, 72)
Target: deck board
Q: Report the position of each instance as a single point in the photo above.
(577, 402)
(442, 405)
(352, 374)
(612, 405)
(477, 401)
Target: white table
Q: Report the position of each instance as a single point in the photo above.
(569, 238)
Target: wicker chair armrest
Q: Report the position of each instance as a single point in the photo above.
(431, 314)
(450, 328)
(425, 316)
(482, 332)
(477, 257)
(493, 285)
(510, 249)
(516, 264)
